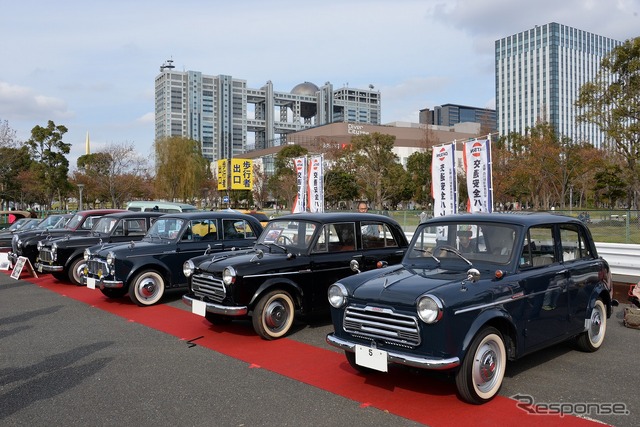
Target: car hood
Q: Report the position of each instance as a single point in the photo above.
(128, 248)
(248, 262)
(402, 285)
(70, 241)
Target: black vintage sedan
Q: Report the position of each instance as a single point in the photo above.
(145, 269)
(290, 268)
(64, 256)
(25, 244)
(472, 292)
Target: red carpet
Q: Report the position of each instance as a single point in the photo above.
(415, 397)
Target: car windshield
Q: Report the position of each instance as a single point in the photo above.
(19, 223)
(104, 225)
(288, 234)
(165, 228)
(466, 242)
(52, 221)
(74, 222)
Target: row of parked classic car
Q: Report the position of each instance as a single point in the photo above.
(469, 293)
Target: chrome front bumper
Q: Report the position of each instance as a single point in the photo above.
(399, 357)
(217, 308)
(46, 268)
(102, 284)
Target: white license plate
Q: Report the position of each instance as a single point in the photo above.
(39, 268)
(198, 307)
(91, 283)
(371, 358)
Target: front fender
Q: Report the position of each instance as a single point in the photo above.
(73, 256)
(601, 291)
(496, 317)
(145, 267)
(278, 282)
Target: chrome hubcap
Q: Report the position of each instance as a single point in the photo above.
(276, 315)
(147, 288)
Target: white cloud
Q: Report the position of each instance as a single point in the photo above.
(22, 103)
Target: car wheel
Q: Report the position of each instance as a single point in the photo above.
(351, 358)
(147, 288)
(59, 276)
(483, 367)
(591, 339)
(75, 271)
(217, 319)
(114, 293)
(273, 316)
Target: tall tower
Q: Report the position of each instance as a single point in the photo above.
(539, 73)
(87, 149)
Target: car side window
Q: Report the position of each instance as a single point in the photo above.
(573, 243)
(88, 223)
(205, 229)
(382, 238)
(538, 249)
(133, 227)
(237, 229)
(346, 237)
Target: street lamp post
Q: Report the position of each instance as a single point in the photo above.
(80, 187)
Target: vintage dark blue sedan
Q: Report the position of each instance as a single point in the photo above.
(473, 291)
(292, 265)
(145, 269)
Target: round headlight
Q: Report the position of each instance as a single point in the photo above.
(19, 243)
(39, 245)
(87, 254)
(111, 257)
(54, 247)
(429, 309)
(228, 275)
(337, 295)
(187, 268)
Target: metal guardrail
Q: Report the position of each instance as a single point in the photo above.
(623, 260)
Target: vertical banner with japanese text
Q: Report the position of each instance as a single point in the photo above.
(222, 175)
(241, 174)
(443, 180)
(477, 164)
(300, 165)
(316, 189)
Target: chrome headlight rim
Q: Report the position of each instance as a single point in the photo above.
(429, 309)
(40, 245)
(86, 254)
(111, 258)
(188, 268)
(337, 295)
(228, 275)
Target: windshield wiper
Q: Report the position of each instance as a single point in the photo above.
(456, 252)
(424, 251)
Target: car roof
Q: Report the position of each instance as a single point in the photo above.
(334, 217)
(208, 214)
(135, 214)
(519, 218)
(98, 212)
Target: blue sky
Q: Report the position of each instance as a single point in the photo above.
(91, 65)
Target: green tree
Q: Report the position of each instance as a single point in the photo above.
(612, 102)
(283, 182)
(374, 159)
(399, 183)
(181, 170)
(339, 185)
(610, 187)
(50, 165)
(419, 169)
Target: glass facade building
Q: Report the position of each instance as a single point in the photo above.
(539, 73)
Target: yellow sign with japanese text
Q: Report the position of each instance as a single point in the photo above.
(222, 175)
(241, 174)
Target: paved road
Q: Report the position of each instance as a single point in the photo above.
(66, 362)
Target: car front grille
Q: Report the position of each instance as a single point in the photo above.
(382, 324)
(208, 286)
(97, 267)
(46, 255)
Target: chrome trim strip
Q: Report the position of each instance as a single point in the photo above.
(491, 304)
(46, 267)
(400, 358)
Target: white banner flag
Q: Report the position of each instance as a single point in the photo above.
(477, 163)
(300, 164)
(443, 180)
(316, 188)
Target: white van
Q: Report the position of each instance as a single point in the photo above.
(158, 206)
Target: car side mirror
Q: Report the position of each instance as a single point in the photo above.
(355, 266)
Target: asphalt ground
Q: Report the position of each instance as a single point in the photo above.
(66, 362)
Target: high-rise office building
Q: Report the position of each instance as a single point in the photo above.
(539, 73)
(228, 118)
(453, 114)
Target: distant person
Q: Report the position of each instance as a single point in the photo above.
(423, 216)
(371, 230)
